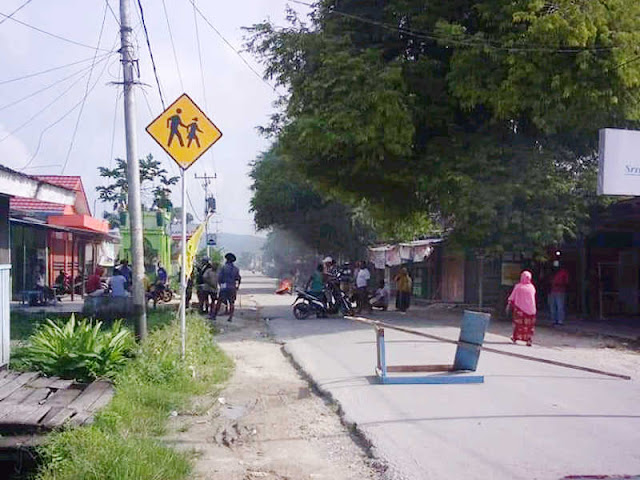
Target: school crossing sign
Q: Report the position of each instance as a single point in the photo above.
(184, 131)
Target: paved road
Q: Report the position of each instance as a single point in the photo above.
(527, 421)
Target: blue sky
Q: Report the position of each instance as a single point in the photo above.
(234, 98)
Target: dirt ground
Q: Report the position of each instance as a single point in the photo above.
(267, 423)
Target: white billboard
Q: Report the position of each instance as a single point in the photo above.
(619, 162)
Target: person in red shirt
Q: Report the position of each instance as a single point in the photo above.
(94, 283)
(558, 293)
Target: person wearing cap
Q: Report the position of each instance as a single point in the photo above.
(229, 280)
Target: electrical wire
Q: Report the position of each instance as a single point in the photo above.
(46, 107)
(53, 124)
(153, 62)
(42, 72)
(470, 42)
(235, 50)
(64, 39)
(15, 11)
(44, 89)
(113, 128)
(113, 13)
(173, 45)
(86, 92)
(195, 22)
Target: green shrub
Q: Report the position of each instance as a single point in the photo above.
(79, 350)
(122, 442)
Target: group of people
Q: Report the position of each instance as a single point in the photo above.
(522, 305)
(215, 286)
(356, 283)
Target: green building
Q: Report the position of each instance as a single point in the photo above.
(157, 242)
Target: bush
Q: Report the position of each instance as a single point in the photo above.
(79, 350)
(122, 443)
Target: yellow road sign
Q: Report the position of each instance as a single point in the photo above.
(184, 131)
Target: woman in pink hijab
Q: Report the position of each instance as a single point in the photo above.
(523, 303)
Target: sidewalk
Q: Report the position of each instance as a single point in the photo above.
(620, 328)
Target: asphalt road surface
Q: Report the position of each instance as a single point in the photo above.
(527, 421)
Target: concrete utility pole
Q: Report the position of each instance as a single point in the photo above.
(129, 70)
(206, 181)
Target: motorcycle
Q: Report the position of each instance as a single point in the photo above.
(336, 301)
(160, 293)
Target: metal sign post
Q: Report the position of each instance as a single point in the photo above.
(183, 268)
(185, 133)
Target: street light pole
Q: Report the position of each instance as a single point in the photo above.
(129, 66)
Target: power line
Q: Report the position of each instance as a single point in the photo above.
(42, 72)
(46, 107)
(64, 39)
(86, 91)
(33, 94)
(173, 46)
(15, 11)
(195, 21)
(235, 50)
(469, 42)
(153, 62)
(53, 124)
(113, 13)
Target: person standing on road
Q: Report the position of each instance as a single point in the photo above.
(229, 280)
(404, 285)
(558, 293)
(362, 282)
(207, 286)
(522, 303)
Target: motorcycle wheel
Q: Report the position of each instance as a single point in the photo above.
(301, 311)
(166, 296)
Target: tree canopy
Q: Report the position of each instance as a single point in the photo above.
(480, 114)
(282, 199)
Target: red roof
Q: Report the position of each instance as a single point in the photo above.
(69, 182)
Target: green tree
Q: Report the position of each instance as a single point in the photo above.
(480, 115)
(283, 199)
(155, 184)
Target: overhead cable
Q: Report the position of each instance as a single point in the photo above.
(153, 62)
(230, 45)
(46, 107)
(113, 13)
(468, 42)
(86, 92)
(42, 72)
(15, 11)
(173, 45)
(64, 39)
(44, 89)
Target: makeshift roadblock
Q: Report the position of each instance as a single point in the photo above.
(472, 332)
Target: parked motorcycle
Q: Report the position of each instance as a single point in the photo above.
(335, 301)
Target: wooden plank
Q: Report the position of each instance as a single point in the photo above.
(38, 396)
(63, 397)
(19, 395)
(51, 421)
(8, 410)
(419, 368)
(3, 373)
(8, 378)
(90, 394)
(33, 416)
(61, 384)
(11, 387)
(82, 418)
(102, 401)
(43, 382)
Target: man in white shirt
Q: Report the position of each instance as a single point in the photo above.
(362, 281)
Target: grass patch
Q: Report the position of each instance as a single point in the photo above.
(122, 443)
